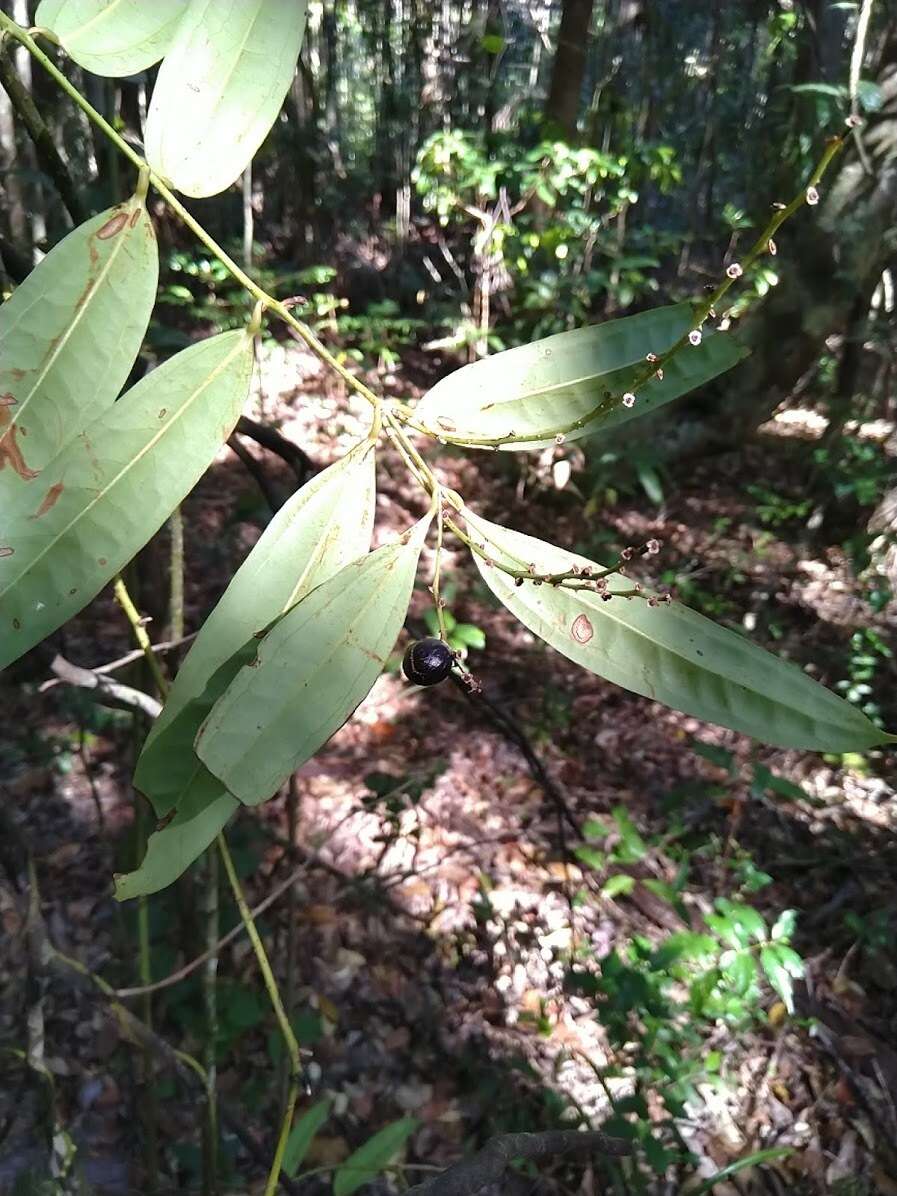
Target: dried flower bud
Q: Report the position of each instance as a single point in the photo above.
(771, 246)
(652, 357)
(812, 196)
(694, 337)
(854, 121)
(652, 601)
(629, 399)
(518, 581)
(734, 271)
(560, 438)
(659, 375)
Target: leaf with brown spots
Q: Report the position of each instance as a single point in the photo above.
(68, 338)
(668, 652)
(112, 488)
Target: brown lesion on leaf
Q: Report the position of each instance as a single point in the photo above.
(113, 226)
(10, 450)
(6, 551)
(7, 400)
(50, 500)
(135, 216)
(582, 629)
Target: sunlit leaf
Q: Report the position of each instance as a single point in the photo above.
(312, 670)
(369, 1160)
(669, 653)
(537, 391)
(204, 811)
(781, 965)
(220, 89)
(68, 338)
(112, 488)
(322, 527)
(302, 1135)
(113, 37)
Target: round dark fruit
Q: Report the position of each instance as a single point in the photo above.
(427, 662)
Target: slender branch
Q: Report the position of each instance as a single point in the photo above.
(489, 1165)
(47, 153)
(276, 306)
(656, 361)
(297, 459)
(280, 1013)
(137, 626)
(100, 670)
(105, 690)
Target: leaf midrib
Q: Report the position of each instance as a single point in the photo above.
(113, 482)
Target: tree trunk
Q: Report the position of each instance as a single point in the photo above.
(562, 105)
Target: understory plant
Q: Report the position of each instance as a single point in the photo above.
(310, 619)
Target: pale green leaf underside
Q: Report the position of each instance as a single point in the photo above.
(68, 338)
(537, 391)
(204, 811)
(113, 37)
(313, 669)
(669, 653)
(107, 493)
(321, 528)
(220, 89)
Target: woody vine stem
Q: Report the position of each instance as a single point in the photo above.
(395, 418)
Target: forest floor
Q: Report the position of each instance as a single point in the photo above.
(439, 896)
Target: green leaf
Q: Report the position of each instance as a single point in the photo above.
(750, 1160)
(784, 925)
(536, 392)
(302, 1133)
(618, 885)
(469, 635)
(113, 37)
(369, 1160)
(321, 528)
(204, 810)
(68, 338)
(220, 89)
(741, 970)
(312, 670)
(107, 493)
(780, 968)
(590, 856)
(669, 653)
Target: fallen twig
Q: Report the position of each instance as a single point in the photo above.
(488, 1165)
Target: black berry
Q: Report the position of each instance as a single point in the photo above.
(427, 662)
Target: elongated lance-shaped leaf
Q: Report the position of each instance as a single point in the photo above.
(669, 653)
(68, 338)
(106, 494)
(537, 392)
(321, 528)
(220, 88)
(113, 37)
(312, 670)
(170, 851)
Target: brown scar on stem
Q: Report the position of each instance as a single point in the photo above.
(112, 227)
(51, 498)
(582, 630)
(135, 216)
